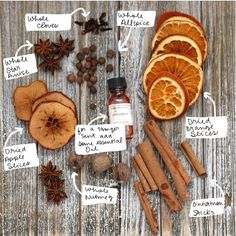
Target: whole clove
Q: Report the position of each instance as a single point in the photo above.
(94, 25)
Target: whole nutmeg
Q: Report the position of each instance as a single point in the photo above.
(75, 161)
(101, 162)
(71, 78)
(121, 172)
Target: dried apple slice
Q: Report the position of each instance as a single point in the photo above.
(52, 125)
(24, 97)
(55, 96)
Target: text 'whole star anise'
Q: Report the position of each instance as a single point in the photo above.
(53, 183)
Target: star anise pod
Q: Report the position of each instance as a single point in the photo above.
(43, 48)
(64, 47)
(55, 194)
(49, 170)
(50, 64)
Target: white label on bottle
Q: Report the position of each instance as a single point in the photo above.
(120, 114)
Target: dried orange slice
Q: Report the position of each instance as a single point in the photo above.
(180, 45)
(184, 28)
(176, 15)
(167, 97)
(189, 72)
(24, 97)
(52, 124)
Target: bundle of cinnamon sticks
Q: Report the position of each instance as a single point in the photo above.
(152, 176)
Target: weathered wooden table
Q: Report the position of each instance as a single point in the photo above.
(23, 205)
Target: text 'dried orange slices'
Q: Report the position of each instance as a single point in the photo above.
(180, 45)
(167, 97)
(189, 72)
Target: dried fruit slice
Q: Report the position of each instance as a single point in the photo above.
(180, 45)
(175, 15)
(189, 72)
(167, 97)
(185, 28)
(24, 97)
(55, 97)
(52, 124)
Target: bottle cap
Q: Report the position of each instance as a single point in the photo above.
(118, 82)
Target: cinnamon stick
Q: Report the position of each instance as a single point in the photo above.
(193, 160)
(159, 176)
(142, 166)
(158, 139)
(177, 178)
(146, 206)
(142, 178)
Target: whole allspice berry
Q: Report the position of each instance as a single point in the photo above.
(121, 173)
(101, 60)
(75, 161)
(93, 48)
(101, 162)
(80, 80)
(109, 68)
(94, 62)
(110, 53)
(71, 78)
(93, 90)
(79, 65)
(85, 51)
(93, 79)
(87, 65)
(89, 84)
(86, 77)
(80, 56)
(92, 106)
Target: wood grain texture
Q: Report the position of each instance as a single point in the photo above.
(23, 206)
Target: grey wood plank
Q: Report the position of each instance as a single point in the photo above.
(220, 71)
(133, 63)
(62, 220)
(19, 186)
(99, 219)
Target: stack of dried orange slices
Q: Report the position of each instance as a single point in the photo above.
(173, 78)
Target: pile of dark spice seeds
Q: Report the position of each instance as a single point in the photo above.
(87, 66)
(54, 184)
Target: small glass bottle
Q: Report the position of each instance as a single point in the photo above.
(119, 105)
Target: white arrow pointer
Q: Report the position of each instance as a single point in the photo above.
(28, 44)
(101, 116)
(121, 47)
(208, 96)
(84, 14)
(213, 183)
(17, 129)
(73, 178)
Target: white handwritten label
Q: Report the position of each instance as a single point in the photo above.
(207, 207)
(90, 139)
(20, 66)
(47, 22)
(136, 18)
(20, 156)
(95, 195)
(206, 127)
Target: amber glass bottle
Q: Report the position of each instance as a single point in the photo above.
(119, 105)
